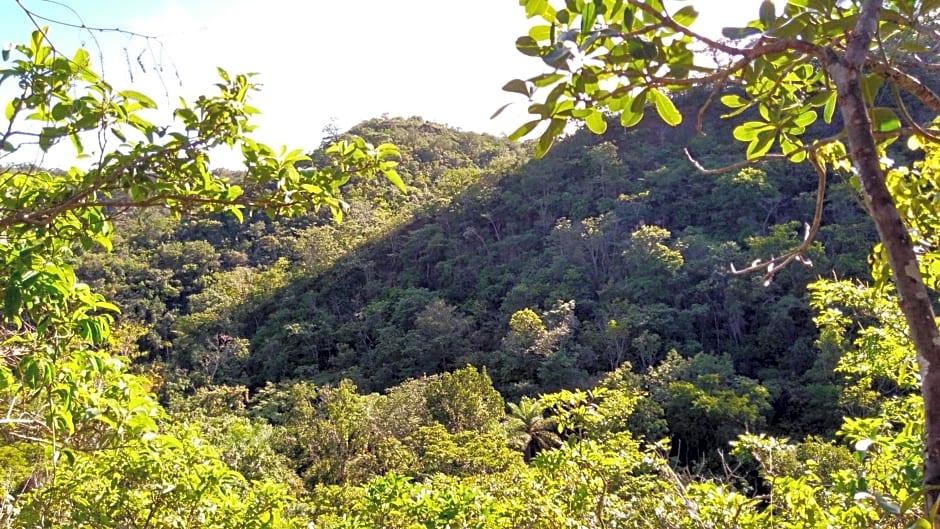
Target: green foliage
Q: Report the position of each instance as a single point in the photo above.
(469, 270)
(529, 429)
(114, 457)
(464, 400)
(161, 480)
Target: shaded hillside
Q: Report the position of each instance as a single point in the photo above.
(617, 245)
(548, 272)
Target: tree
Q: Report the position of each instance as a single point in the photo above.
(528, 428)
(464, 400)
(621, 56)
(59, 386)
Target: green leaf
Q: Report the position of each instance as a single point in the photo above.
(806, 118)
(739, 33)
(392, 176)
(528, 46)
(555, 128)
(685, 16)
(518, 86)
(524, 129)
(535, 7)
(761, 144)
(596, 122)
(145, 101)
(12, 301)
(60, 111)
(500, 110)
(665, 108)
(733, 101)
(540, 33)
(871, 84)
(748, 130)
(546, 79)
(830, 108)
(885, 120)
(81, 58)
(632, 112)
(588, 17)
(768, 13)
(911, 500)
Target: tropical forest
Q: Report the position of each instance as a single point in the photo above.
(695, 291)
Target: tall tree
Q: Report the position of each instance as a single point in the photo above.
(622, 56)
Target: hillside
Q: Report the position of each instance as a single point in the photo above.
(549, 273)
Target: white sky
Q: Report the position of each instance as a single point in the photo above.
(319, 60)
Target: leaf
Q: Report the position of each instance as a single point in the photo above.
(739, 33)
(546, 79)
(665, 108)
(12, 301)
(500, 110)
(588, 17)
(748, 130)
(685, 16)
(632, 112)
(911, 500)
(830, 108)
(547, 138)
(805, 119)
(535, 7)
(528, 46)
(540, 33)
(518, 86)
(81, 57)
(885, 120)
(761, 144)
(524, 129)
(871, 84)
(768, 13)
(145, 101)
(596, 122)
(392, 176)
(733, 101)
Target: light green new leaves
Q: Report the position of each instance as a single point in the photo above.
(758, 135)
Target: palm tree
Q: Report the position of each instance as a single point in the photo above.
(529, 429)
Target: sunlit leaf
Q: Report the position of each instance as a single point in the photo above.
(885, 120)
(596, 122)
(665, 108)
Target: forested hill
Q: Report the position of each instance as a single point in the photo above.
(547, 272)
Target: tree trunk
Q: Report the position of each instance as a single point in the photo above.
(913, 299)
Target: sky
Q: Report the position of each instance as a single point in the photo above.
(321, 62)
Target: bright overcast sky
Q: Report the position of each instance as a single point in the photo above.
(319, 60)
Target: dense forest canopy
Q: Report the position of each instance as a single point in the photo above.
(487, 339)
